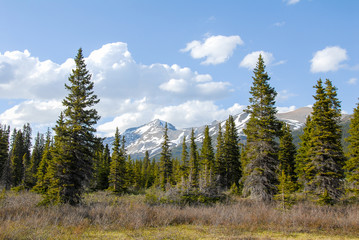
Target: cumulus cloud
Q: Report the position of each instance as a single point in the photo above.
(251, 59)
(328, 59)
(32, 111)
(130, 92)
(215, 49)
(352, 81)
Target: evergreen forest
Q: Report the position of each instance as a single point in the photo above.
(69, 160)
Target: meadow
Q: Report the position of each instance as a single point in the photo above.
(106, 216)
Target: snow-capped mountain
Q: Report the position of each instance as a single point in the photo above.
(149, 137)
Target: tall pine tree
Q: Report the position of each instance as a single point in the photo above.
(324, 157)
(193, 162)
(118, 171)
(352, 164)
(261, 150)
(165, 168)
(73, 167)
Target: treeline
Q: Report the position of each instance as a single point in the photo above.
(266, 167)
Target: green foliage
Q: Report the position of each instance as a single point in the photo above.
(287, 153)
(231, 155)
(165, 168)
(118, 169)
(193, 162)
(75, 147)
(4, 151)
(352, 164)
(41, 181)
(261, 150)
(321, 157)
(286, 188)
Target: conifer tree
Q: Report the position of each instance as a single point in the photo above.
(75, 151)
(117, 178)
(193, 162)
(303, 166)
(4, 150)
(184, 159)
(219, 166)
(287, 153)
(104, 171)
(16, 159)
(352, 164)
(261, 150)
(146, 167)
(165, 168)
(322, 168)
(207, 156)
(41, 183)
(231, 154)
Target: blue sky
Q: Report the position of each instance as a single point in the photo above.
(186, 62)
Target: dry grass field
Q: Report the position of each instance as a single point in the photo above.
(105, 216)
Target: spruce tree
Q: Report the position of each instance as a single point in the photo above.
(165, 168)
(261, 150)
(118, 171)
(207, 156)
(41, 182)
(321, 160)
(193, 162)
(16, 159)
(231, 154)
(287, 153)
(184, 159)
(219, 166)
(303, 166)
(75, 151)
(4, 150)
(352, 164)
(146, 167)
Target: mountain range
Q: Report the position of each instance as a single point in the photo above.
(149, 137)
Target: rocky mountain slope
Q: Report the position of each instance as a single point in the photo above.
(148, 137)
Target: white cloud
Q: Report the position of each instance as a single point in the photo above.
(352, 81)
(216, 49)
(286, 109)
(174, 85)
(291, 2)
(130, 93)
(32, 111)
(250, 60)
(328, 59)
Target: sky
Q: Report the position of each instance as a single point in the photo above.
(185, 62)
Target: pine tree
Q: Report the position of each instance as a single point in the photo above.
(41, 183)
(75, 151)
(303, 166)
(324, 170)
(146, 167)
(193, 162)
(287, 153)
(184, 160)
(16, 159)
(118, 178)
(4, 150)
(220, 166)
(165, 171)
(207, 156)
(231, 154)
(104, 171)
(261, 150)
(352, 164)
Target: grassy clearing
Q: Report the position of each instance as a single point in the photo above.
(104, 216)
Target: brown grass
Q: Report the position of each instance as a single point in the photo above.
(21, 218)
